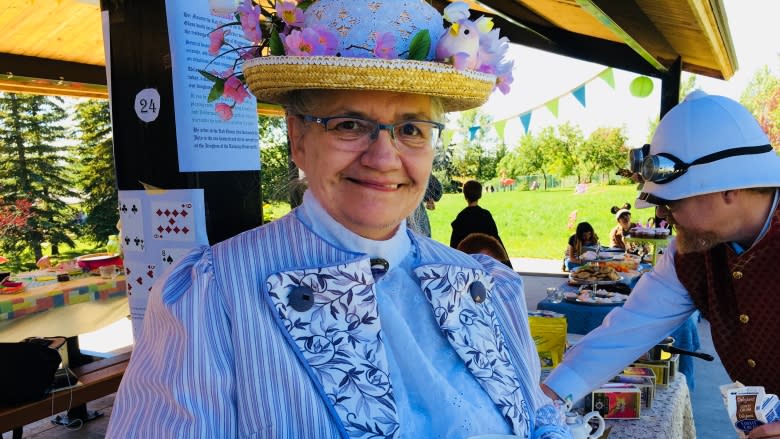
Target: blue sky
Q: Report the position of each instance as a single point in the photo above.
(541, 76)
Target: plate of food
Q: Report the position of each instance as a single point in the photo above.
(601, 297)
(594, 274)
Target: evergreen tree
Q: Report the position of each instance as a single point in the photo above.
(96, 177)
(34, 168)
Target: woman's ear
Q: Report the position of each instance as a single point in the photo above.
(295, 137)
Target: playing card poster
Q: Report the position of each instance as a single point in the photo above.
(206, 142)
(157, 229)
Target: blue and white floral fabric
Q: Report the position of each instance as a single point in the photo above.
(469, 324)
(339, 338)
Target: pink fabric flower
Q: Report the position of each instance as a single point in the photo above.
(290, 13)
(385, 46)
(327, 41)
(234, 89)
(250, 21)
(216, 40)
(504, 74)
(303, 43)
(224, 111)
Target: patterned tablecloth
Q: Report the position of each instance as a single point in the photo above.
(670, 418)
(42, 296)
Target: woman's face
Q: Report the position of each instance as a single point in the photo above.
(369, 192)
(587, 235)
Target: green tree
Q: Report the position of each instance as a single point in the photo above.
(275, 169)
(605, 150)
(95, 176)
(476, 156)
(762, 98)
(35, 167)
(444, 166)
(532, 156)
(565, 151)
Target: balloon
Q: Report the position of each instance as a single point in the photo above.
(641, 87)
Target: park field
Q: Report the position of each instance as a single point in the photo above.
(534, 224)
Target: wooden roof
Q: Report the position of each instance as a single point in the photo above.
(56, 46)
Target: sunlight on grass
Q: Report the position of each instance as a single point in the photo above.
(534, 223)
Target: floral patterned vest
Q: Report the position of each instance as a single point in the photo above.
(738, 294)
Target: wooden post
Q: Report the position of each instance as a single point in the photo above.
(139, 58)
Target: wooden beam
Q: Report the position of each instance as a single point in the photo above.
(24, 84)
(629, 23)
(44, 68)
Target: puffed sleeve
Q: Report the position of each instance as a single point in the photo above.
(180, 380)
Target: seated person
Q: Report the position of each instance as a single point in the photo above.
(473, 219)
(485, 244)
(624, 224)
(584, 240)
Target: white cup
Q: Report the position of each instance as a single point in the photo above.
(109, 271)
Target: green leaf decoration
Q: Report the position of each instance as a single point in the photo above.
(305, 4)
(275, 44)
(420, 45)
(208, 75)
(216, 90)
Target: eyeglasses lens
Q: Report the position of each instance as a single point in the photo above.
(357, 133)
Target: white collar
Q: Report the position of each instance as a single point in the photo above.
(393, 250)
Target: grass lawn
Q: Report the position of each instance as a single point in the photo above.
(534, 223)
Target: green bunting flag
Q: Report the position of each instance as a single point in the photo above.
(608, 76)
(553, 107)
(500, 125)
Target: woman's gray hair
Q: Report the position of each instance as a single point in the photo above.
(306, 101)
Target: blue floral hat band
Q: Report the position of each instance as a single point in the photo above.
(271, 79)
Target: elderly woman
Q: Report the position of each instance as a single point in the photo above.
(336, 321)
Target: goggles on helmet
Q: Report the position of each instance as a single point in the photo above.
(663, 168)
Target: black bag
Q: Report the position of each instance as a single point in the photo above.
(27, 369)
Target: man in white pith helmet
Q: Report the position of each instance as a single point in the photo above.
(712, 173)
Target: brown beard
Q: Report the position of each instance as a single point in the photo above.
(693, 242)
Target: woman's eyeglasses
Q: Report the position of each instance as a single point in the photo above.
(663, 168)
(356, 134)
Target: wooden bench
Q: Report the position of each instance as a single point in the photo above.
(96, 379)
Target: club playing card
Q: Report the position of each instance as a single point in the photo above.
(131, 216)
(172, 221)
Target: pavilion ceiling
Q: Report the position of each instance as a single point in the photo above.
(56, 46)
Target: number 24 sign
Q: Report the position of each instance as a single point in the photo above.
(147, 104)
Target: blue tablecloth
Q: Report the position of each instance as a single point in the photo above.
(581, 319)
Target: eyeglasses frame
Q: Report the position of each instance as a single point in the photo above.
(389, 127)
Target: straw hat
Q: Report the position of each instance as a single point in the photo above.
(369, 49)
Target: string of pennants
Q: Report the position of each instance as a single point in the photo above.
(607, 75)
